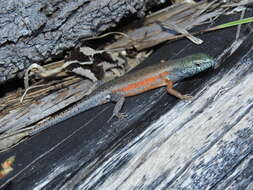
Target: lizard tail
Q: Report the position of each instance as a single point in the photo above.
(78, 107)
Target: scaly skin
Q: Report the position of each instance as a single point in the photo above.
(134, 83)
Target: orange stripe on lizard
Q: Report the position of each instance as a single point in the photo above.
(143, 83)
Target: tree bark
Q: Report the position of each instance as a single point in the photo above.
(32, 31)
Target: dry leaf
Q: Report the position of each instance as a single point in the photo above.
(7, 167)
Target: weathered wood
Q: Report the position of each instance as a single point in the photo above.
(33, 31)
(200, 144)
(155, 28)
(34, 110)
(39, 109)
(18, 119)
(174, 14)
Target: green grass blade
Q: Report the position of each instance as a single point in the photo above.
(235, 23)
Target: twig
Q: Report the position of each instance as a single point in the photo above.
(30, 88)
(107, 34)
(239, 26)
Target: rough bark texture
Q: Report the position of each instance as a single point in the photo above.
(33, 31)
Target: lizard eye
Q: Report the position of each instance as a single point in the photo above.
(197, 63)
(108, 97)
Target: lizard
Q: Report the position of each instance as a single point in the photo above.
(134, 83)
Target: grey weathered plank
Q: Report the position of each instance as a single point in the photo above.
(201, 144)
(28, 114)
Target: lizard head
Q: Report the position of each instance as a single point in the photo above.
(192, 65)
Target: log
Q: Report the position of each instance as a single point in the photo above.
(202, 144)
(35, 31)
(164, 143)
(18, 119)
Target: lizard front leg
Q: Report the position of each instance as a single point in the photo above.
(119, 99)
(178, 94)
(170, 90)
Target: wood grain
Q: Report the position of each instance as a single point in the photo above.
(204, 143)
(199, 144)
(28, 114)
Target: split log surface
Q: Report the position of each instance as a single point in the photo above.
(204, 143)
(16, 118)
(32, 31)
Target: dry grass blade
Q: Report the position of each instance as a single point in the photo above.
(184, 32)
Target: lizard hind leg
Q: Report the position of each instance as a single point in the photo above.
(119, 104)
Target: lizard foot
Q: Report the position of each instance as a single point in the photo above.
(186, 97)
(121, 115)
(118, 115)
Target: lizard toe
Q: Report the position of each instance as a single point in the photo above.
(186, 97)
